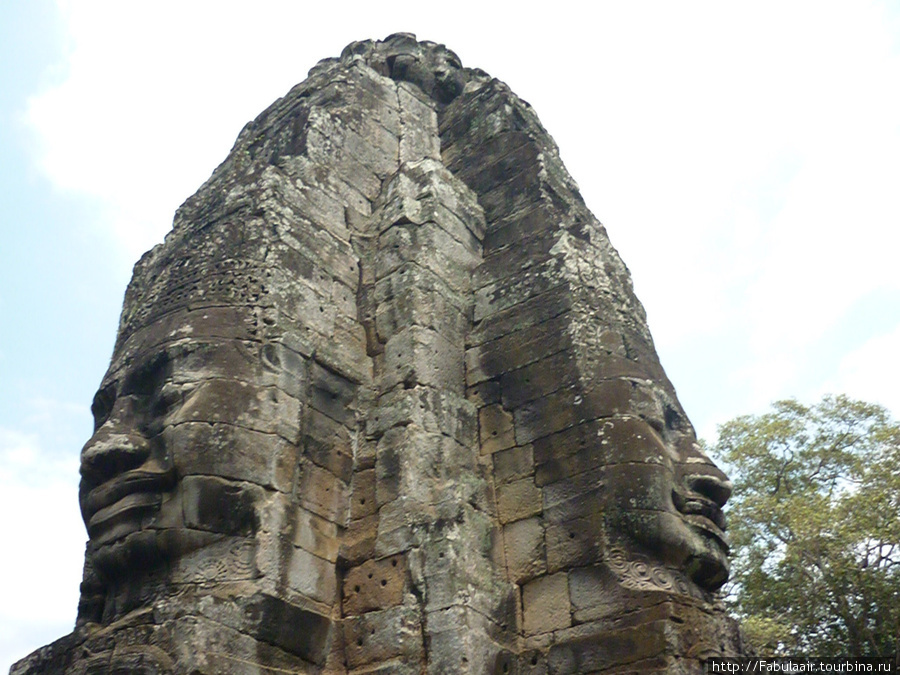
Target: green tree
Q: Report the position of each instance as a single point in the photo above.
(815, 528)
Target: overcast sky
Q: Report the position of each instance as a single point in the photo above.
(744, 157)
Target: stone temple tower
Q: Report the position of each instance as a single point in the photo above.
(383, 402)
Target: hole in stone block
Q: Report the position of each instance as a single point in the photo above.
(356, 589)
(359, 641)
(384, 582)
(393, 563)
(534, 660)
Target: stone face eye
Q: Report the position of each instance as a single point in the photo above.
(102, 406)
(165, 400)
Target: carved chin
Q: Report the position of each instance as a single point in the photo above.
(144, 550)
(133, 553)
(699, 550)
(709, 567)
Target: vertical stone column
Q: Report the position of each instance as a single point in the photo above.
(427, 592)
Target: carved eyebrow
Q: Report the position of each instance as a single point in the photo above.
(148, 377)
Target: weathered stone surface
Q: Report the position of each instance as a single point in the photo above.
(384, 401)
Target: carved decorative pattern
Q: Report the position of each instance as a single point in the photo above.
(227, 282)
(639, 573)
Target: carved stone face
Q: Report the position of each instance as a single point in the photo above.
(436, 70)
(622, 476)
(189, 434)
(666, 499)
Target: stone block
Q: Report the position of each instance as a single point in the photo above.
(358, 540)
(422, 356)
(388, 465)
(220, 449)
(431, 247)
(381, 635)
(416, 296)
(547, 415)
(460, 642)
(513, 463)
(278, 625)
(217, 560)
(433, 410)
(218, 505)
(317, 535)
(525, 552)
(527, 285)
(495, 429)
(595, 594)
(289, 368)
(426, 191)
(303, 302)
(323, 493)
(265, 409)
(507, 158)
(418, 138)
(376, 584)
(583, 448)
(362, 494)
(539, 379)
(644, 649)
(546, 344)
(531, 311)
(298, 239)
(482, 393)
(518, 499)
(545, 603)
(332, 394)
(328, 444)
(312, 576)
(575, 542)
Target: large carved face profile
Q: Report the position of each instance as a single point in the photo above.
(197, 422)
(624, 480)
(187, 436)
(666, 498)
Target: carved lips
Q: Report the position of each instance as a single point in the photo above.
(119, 506)
(703, 513)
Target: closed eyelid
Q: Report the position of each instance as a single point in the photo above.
(147, 379)
(102, 405)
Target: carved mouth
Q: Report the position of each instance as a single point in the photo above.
(118, 507)
(703, 513)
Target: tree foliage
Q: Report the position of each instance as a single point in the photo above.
(815, 528)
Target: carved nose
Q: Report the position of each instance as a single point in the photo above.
(108, 454)
(700, 474)
(714, 486)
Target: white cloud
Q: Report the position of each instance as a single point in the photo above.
(744, 158)
(871, 372)
(50, 538)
